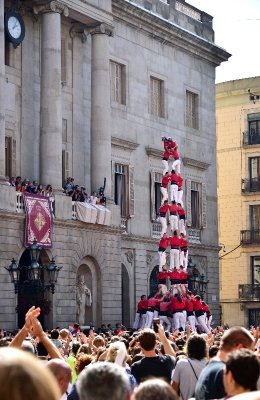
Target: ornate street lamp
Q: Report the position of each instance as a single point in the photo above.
(197, 283)
(34, 273)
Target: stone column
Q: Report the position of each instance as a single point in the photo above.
(100, 110)
(2, 94)
(51, 101)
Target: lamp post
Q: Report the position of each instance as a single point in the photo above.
(197, 282)
(35, 272)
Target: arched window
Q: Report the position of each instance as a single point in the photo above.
(153, 285)
(125, 299)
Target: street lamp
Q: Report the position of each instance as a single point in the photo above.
(197, 282)
(34, 273)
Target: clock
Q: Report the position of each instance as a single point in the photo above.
(14, 27)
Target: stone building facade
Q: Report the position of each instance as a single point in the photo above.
(238, 157)
(89, 93)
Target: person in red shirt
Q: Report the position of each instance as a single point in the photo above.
(199, 313)
(174, 186)
(184, 279)
(153, 303)
(164, 310)
(189, 307)
(165, 160)
(178, 307)
(173, 210)
(208, 316)
(184, 251)
(175, 280)
(163, 244)
(163, 217)
(141, 306)
(175, 250)
(164, 187)
(176, 165)
(182, 218)
(162, 278)
(180, 191)
(168, 143)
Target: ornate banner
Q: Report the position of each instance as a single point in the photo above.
(39, 220)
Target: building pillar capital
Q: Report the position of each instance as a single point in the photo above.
(102, 28)
(79, 30)
(53, 6)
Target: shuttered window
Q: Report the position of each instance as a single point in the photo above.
(196, 216)
(123, 188)
(156, 94)
(192, 110)
(156, 179)
(118, 82)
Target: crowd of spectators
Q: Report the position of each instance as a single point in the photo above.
(120, 364)
(76, 192)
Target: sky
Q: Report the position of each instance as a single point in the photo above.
(237, 29)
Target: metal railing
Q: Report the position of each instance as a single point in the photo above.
(194, 235)
(250, 236)
(156, 230)
(250, 185)
(251, 137)
(249, 292)
(20, 203)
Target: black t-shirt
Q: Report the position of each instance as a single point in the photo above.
(159, 366)
(210, 383)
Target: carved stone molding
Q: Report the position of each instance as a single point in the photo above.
(189, 162)
(154, 152)
(102, 29)
(52, 6)
(149, 258)
(129, 256)
(79, 30)
(124, 144)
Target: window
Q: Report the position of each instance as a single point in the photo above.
(123, 182)
(254, 173)
(255, 264)
(118, 82)
(10, 156)
(157, 96)
(255, 217)
(196, 215)
(156, 179)
(254, 128)
(192, 115)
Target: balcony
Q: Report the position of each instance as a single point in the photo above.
(250, 237)
(251, 137)
(250, 185)
(249, 292)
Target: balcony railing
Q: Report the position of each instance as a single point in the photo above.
(249, 292)
(250, 185)
(250, 236)
(156, 230)
(251, 137)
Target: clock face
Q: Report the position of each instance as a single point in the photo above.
(14, 27)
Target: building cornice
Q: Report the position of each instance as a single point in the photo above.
(153, 152)
(124, 144)
(190, 162)
(168, 32)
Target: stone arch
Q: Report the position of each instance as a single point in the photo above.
(89, 272)
(125, 296)
(152, 281)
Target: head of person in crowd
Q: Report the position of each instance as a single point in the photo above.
(196, 347)
(64, 334)
(241, 372)
(213, 350)
(103, 380)
(147, 339)
(62, 373)
(23, 377)
(82, 361)
(99, 341)
(75, 347)
(154, 389)
(117, 353)
(55, 334)
(28, 346)
(236, 338)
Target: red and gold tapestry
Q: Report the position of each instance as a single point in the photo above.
(39, 221)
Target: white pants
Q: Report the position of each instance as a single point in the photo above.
(179, 320)
(162, 259)
(164, 193)
(174, 222)
(165, 320)
(201, 321)
(174, 192)
(164, 225)
(142, 321)
(166, 166)
(180, 194)
(149, 319)
(176, 165)
(184, 259)
(208, 321)
(191, 320)
(136, 321)
(174, 289)
(181, 226)
(174, 258)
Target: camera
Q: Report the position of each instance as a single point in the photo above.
(156, 321)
